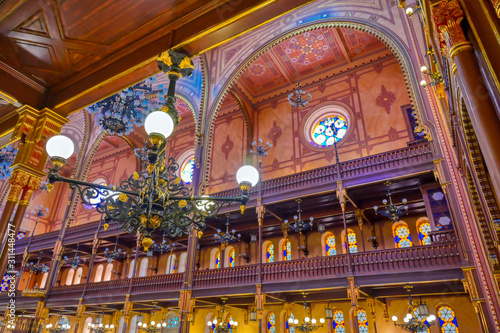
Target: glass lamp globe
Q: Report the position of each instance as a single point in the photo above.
(394, 318)
(215, 321)
(107, 326)
(290, 320)
(247, 174)
(231, 323)
(100, 324)
(432, 317)
(295, 321)
(307, 319)
(158, 325)
(60, 146)
(153, 323)
(235, 323)
(144, 325)
(140, 323)
(322, 320)
(406, 320)
(209, 323)
(313, 321)
(164, 324)
(111, 326)
(159, 122)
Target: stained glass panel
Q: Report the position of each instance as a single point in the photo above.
(424, 228)
(352, 241)
(447, 320)
(232, 257)
(402, 236)
(289, 328)
(270, 253)
(217, 259)
(173, 322)
(287, 250)
(329, 130)
(423, 319)
(187, 172)
(271, 323)
(5, 284)
(362, 321)
(330, 245)
(338, 322)
(20, 235)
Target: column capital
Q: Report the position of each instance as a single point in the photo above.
(18, 181)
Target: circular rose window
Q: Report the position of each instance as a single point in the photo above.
(329, 130)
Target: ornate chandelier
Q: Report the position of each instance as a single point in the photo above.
(7, 156)
(309, 325)
(163, 247)
(153, 327)
(227, 237)
(299, 97)
(62, 325)
(119, 113)
(218, 325)
(98, 327)
(418, 319)
(37, 268)
(391, 210)
(75, 261)
(297, 224)
(155, 198)
(115, 254)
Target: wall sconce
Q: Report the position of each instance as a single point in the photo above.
(253, 238)
(436, 77)
(245, 256)
(321, 227)
(374, 242)
(253, 315)
(410, 10)
(328, 311)
(304, 250)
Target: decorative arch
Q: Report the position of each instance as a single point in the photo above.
(182, 262)
(120, 325)
(328, 244)
(423, 229)
(172, 321)
(78, 275)
(86, 325)
(215, 258)
(133, 325)
(230, 256)
(390, 40)
(98, 273)
(210, 317)
(402, 235)
(108, 272)
(171, 264)
(447, 319)
(351, 242)
(143, 269)
(285, 250)
(131, 268)
(268, 252)
(69, 277)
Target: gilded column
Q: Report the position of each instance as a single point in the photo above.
(496, 6)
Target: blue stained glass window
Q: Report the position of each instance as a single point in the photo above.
(351, 241)
(270, 252)
(173, 322)
(329, 130)
(232, 257)
(289, 328)
(271, 323)
(424, 228)
(21, 235)
(330, 245)
(187, 172)
(338, 324)
(402, 236)
(362, 321)
(423, 319)
(217, 259)
(5, 284)
(287, 250)
(447, 320)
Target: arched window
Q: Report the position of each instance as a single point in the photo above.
(289, 328)
(215, 258)
(187, 171)
(69, 277)
(329, 245)
(270, 323)
(286, 250)
(422, 319)
(230, 259)
(98, 273)
(108, 272)
(362, 321)
(44, 280)
(131, 268)
(133, 325)
(172, 321)
(351, 241)
(143, 270)
(120, 325)
(78, 276)
(402, 236)
(171, 264)
(447, 319)
(423, 228)
(182, 262)
(269, 252)
(338, 324)
(86, 324)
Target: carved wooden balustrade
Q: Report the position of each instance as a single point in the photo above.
(442, 236)
(157, 283)
(241, 275)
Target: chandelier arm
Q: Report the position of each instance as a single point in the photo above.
(54, 177)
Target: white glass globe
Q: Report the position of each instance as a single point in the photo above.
(69, 326)
(235, 323)
(295, 321)
(322, 320)
(423, 83)
(159, 122)
(107, 326)
(209, 323)
(231, 323)
(408, 315)
(313, 321)
(247, 173)
(394, 318)
(432, 317)
(406, 319)
(307, 319)
(158, 325)
(152, 323)
(290, 320)
(100, 325)
(164, 324)
(215, 321)
(144, 325)
(112, 326)
(60, 146)
(140, 323)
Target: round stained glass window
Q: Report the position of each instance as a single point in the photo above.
(329, 130)
(187, 171)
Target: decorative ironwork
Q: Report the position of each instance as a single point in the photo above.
(119, 113)
(219, 325)
(75, 261)
(299, 97)
(163, 247)
(259, 149)
(155, 198)
(390, 209)
(37, 268)
(298, 225)
(7, 156)
(152, 327)
(115, 254)
(227, 237)
(309, 324)
(62, 325)
(416, 320)
(99, 327)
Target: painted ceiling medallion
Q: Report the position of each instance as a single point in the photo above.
(119, 113)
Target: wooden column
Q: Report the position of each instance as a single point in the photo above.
(127, 308)
(186, 303)
(79, 313)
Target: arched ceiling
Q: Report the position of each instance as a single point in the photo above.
(304, 57)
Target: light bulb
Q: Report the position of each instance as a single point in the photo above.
(111, 326)
(313, 321)
(295, 321)
(406, 320)
(209, 323)
(290, 320)
(158, 325)
(231, 323)
(247, 174)
(100, 325)
(107, 326)
(423, 83)
(152, 322)
(89, 324)
(322, 320)
(409, 11)
(215, 321)
(423, 69)
(307, 319)
(60, 146)
(140, 323)
(144, 325)
(159, 122)
(164, 324)
(394, 318)
(235, 323)
(432, 317)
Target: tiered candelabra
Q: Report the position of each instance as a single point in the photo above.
(219, 325)
(391, 211)
(37, 268)
(75, 261)
(299, 97)
(298, 225)
(99, 327)
(227, 237)
(309, 324)
(418, 319)
(115, 254)
(62, 325)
